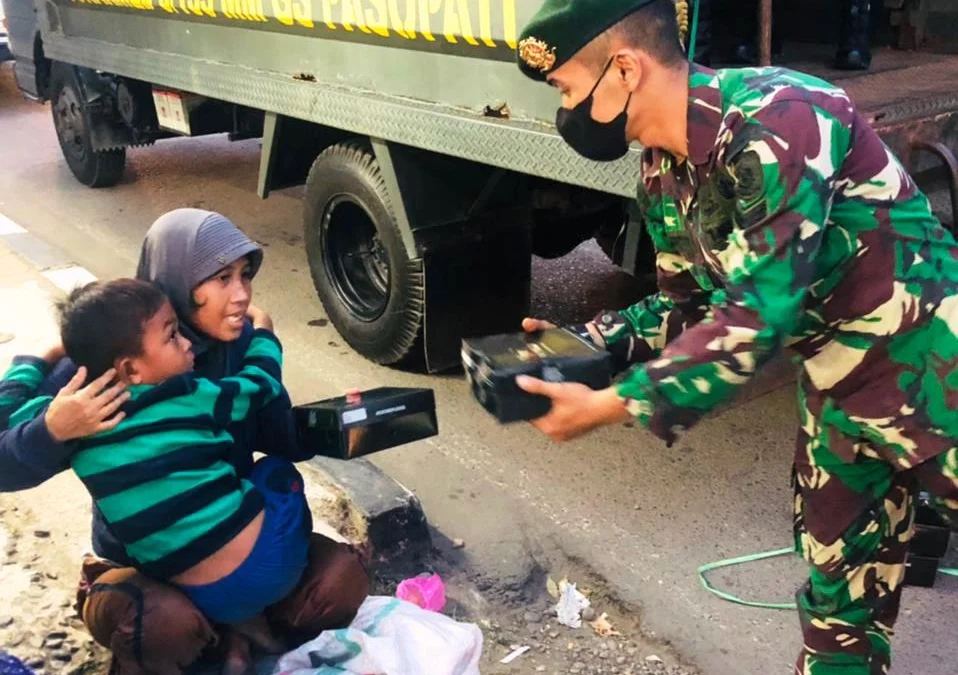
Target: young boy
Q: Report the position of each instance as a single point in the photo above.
(234, 546)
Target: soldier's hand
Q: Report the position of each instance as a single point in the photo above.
(79, 411)
(536, 325)
(576, 409)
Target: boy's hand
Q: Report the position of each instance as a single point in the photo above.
(77, 413)
(259, 318)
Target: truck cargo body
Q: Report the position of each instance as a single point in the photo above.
(419, 72)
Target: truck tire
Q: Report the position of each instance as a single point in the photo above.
(73, 122)
(371, 290)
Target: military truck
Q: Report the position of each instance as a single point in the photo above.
(432, 170)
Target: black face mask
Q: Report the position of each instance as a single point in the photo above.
(598, 141)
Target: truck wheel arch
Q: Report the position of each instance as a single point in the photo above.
(43, 68)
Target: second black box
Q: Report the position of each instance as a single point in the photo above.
(556, 355)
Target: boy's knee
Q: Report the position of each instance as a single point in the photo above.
(838, 634)
(810, 662)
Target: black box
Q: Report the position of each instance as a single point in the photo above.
(921, 571)
(556, 355)
(381, 418)
(931, 534)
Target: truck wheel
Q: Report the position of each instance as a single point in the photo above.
(371, 290)
(73, 123)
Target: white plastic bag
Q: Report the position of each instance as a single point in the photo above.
(390, 637)
(570, 606)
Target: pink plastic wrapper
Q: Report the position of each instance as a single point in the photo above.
(429, 593)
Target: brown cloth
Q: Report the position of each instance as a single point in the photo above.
(152, 628)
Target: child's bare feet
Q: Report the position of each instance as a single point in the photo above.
(239, 659)
(259, 633)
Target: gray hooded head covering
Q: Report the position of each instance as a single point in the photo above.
(186, 247)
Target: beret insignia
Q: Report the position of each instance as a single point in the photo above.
(537, 54)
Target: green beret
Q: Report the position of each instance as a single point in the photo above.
(562, 27)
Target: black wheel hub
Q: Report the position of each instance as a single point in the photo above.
(71, 127)
(354, 258)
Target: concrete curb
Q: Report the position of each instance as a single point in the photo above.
(51, 262)
(392, 519)
(395, 524)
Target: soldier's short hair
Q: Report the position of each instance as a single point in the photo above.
(653, 28)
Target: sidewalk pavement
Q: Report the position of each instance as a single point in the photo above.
(26, 298)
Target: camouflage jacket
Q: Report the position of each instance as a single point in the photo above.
(792, 224)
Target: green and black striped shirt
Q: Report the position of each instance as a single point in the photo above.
(162, 478)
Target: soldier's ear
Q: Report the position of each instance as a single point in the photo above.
(628, 67)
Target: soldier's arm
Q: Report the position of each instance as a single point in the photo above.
(640, 333)
(784, 168)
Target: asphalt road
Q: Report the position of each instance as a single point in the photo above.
(619, 504)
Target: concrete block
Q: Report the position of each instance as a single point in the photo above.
(394, 523)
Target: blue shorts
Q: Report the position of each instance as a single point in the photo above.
(278, 559)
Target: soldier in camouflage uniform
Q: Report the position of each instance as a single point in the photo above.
(780, 219)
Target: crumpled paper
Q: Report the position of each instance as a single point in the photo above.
(603, 627)
(570, 606)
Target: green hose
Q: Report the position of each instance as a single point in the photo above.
(763, 556)
(738, 561)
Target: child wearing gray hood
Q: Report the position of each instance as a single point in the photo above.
(205, 265)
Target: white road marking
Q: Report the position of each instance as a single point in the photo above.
(7, 226)
(69, 278)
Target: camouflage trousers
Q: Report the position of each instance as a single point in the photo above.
(854, 518)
